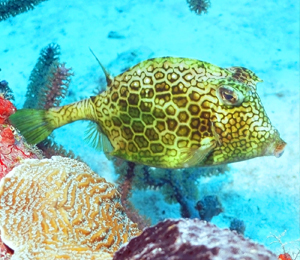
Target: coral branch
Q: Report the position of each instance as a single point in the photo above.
(125, 191)
(5, 90)
(49, 80)
(14, 7)
(50, 148)
(285, 255)
(180, 187)
(199, 6)
(57, 87)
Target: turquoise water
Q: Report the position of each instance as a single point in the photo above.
(260, 35)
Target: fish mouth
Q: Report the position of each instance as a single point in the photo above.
(279, 149)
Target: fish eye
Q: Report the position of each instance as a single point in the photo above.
(229, 96)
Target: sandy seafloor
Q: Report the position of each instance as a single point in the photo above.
(260, 35)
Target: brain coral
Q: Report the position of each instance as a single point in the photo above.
(191, 239)
(59, 209)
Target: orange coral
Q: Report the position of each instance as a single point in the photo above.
(285, 256)
(59, 208)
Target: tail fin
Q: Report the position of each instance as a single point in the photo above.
(32, 124)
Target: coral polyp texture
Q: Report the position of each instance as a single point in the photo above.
(59, 208)
(191, 239)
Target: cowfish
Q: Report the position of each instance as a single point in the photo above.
(169, 112)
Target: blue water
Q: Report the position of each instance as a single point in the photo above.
(260, 35)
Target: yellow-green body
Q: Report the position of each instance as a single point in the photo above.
(176, 112)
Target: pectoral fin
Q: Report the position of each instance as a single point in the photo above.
(97, 138)
(194, 156)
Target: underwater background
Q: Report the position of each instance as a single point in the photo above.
(262, 36)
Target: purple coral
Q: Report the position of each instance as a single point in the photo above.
(191, 239)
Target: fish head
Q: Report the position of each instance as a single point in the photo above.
(239, 121)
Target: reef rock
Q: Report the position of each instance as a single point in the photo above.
(191, 239)
(60, 209)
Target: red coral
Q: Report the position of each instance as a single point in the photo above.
(6, 109)
(13, 148)
(7, 136)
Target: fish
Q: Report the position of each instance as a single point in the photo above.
(169, 112)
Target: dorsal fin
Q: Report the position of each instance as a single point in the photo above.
(245, 76)
(109, 78)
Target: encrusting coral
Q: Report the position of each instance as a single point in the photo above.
(60, 209)
(191, 239)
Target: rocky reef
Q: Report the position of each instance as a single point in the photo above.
(191, 239)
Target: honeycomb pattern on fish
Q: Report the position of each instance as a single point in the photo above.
(168, 107)
(169, 112)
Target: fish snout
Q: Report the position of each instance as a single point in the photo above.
(279, 148)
